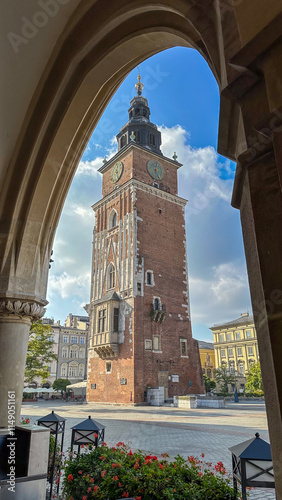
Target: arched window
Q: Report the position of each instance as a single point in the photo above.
(152, 139)
(156, 305)
(73, 370)
(64, 369)
(137, 136)
(111, 276)
(113, 219)
(64, 352)
(123, 141)
(73, 352)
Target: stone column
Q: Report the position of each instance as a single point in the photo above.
(261, 216)
(15, 320)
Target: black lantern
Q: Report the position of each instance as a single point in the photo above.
(87, 432)
(252, 465)
(56, 424)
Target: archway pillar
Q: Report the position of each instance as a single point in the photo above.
(257, 193)
(16, 317)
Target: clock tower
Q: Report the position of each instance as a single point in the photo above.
(140, 327)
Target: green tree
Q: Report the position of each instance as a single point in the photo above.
(224, 377)
(61, 385)
(39, 352)
(254, 379)
(209, 383)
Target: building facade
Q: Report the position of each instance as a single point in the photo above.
(207, 357)
(70, 345)
(140, 328)
(235, 345)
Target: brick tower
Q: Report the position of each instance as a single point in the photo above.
(140, 329)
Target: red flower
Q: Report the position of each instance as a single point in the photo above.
(202, 455)
(120, 443)
(137, 498)
(119, 485)
(57, 481)
(130, 453)
(136, 465)
(115, 478)
(164, 455)
(125, 494)
(103, 473)
(104, 444)
(200, 474)
(84, 497)
(82, 446)
(91, 480)
(95, 435)
(80, 472)
(70, 477)
(95, 489)
(161, 466)
(89, 489)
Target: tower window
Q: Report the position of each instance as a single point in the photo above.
(113, 219)
(144, 113)
(156, 343)
(139, 288)
(155, 185)
(149, 278)
(123, 141)
(148, 345)
(156, 305)
(183, 347)
(160, 210)
(137, 112)
(152, 139)
(108, 367)
(111, 277)
(101, 320)
(116, 319)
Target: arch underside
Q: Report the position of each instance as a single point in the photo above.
(92, 57)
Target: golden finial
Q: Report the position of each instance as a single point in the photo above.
(139, 85)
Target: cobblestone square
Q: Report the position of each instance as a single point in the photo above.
(168, 429)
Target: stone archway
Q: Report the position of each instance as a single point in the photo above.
(91, 55)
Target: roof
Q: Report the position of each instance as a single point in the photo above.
(108, 296)
(256, 449)
(244, 318)
(205, 345)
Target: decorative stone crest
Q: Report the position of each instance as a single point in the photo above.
(22, 309)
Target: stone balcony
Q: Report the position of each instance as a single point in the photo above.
(158, 314)
(106, 344)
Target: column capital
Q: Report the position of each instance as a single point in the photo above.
(20, 310)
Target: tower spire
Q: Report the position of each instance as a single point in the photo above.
(139, 85)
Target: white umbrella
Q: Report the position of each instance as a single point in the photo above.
(29, 390)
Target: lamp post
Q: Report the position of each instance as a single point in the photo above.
(87, 432)
(252, 465)
(56, 424)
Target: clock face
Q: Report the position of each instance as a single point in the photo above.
(116, 172)
(155, 169)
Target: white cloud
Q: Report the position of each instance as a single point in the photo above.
(66, 286)
(221, 297)
(89, 167)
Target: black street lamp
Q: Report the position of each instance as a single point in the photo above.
(252, 465)
(87, 432)
(56, 424)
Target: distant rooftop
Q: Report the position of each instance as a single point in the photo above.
(205, 345)
(244, 318)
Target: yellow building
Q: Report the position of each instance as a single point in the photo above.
(235, 345)
(207, 356)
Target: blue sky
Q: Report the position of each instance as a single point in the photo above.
(184, 101)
